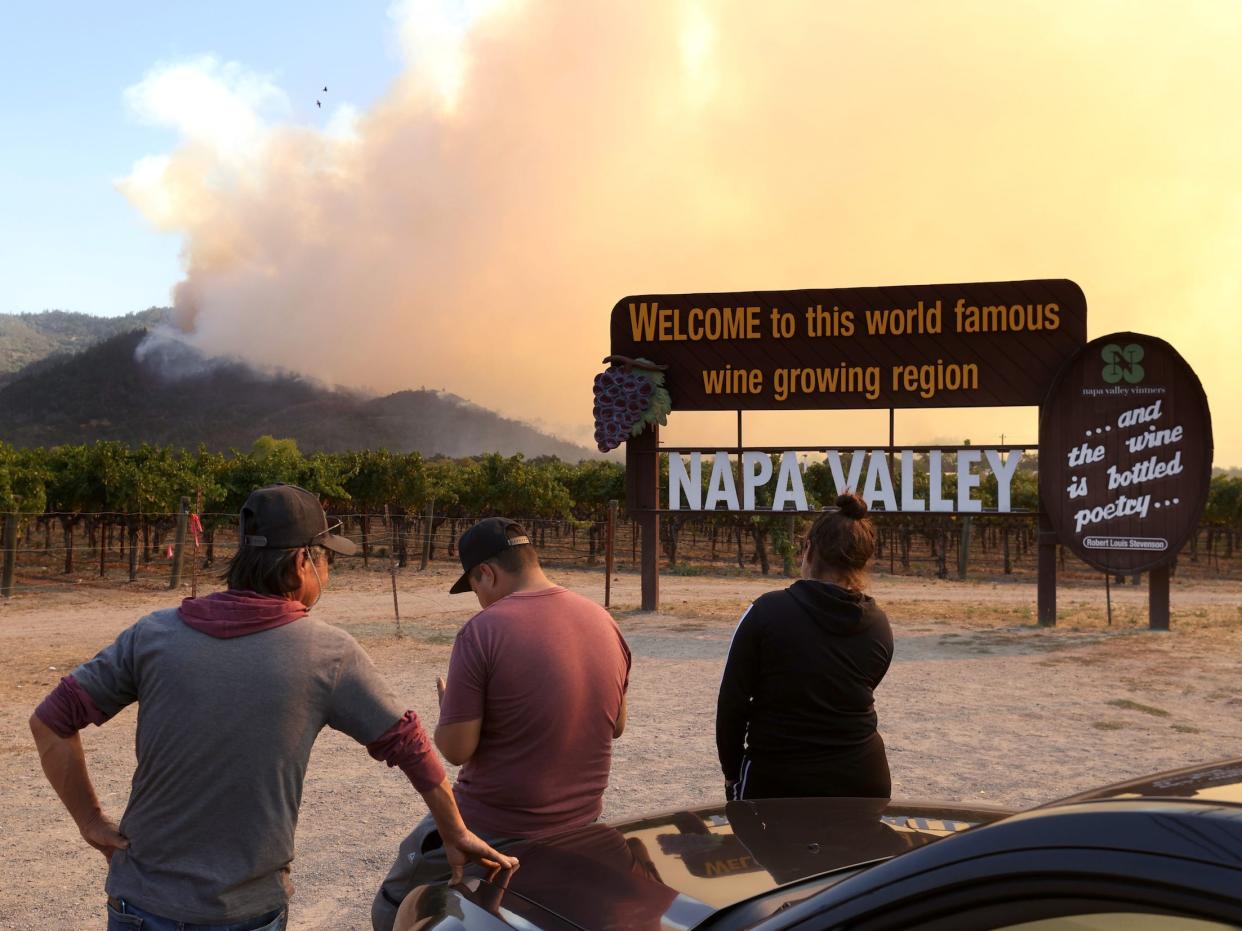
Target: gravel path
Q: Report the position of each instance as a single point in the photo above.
(978, 705)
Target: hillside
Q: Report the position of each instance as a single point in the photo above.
(29, 338)
(176, 397)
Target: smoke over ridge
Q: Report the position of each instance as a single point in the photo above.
(472, 229)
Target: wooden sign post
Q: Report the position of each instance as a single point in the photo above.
(642, 489)
(1125, 446)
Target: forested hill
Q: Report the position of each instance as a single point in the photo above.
(104, 393)
(29, 338)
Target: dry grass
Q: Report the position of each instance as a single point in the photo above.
(981, 704)
(1129, 705)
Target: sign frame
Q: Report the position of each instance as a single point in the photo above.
(643, 450)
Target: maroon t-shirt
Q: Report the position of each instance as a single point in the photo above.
(546, 671)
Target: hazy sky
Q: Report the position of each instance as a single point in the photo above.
(68, 238)
(470, 202)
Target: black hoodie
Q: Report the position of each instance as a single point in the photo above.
(801, 671)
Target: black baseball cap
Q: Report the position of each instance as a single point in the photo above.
(286, 517)
(488, 538)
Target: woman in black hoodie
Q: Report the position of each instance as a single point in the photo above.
(796, 717)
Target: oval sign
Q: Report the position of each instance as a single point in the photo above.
(1125, 453)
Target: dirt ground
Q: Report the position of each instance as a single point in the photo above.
(979, 705)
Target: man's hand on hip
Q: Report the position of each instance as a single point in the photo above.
(64, 764)
(441, 685)
(102, 833)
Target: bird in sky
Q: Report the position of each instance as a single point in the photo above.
(318, 104)
(325, 88)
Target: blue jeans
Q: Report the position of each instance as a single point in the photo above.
(129, 918)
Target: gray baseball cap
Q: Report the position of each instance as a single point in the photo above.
(287, 517)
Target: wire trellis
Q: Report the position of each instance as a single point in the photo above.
(63, 551)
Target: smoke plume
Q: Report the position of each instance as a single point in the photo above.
(472, 229)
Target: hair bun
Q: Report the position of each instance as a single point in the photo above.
(852, 506)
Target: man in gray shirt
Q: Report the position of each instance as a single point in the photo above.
(232, 690)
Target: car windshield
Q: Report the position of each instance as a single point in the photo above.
(743, 850)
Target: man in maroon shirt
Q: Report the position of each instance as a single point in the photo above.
(534, 698)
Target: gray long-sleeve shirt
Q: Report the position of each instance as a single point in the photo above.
(225, 729)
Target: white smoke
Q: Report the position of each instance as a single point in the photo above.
(536, 161)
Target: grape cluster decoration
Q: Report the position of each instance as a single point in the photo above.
(629, 395)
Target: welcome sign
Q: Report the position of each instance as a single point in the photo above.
(988, 344)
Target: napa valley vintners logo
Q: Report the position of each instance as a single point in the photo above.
(1121, 363)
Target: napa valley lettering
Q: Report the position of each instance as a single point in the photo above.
(891, 482)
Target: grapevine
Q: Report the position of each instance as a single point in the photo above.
(629, 396)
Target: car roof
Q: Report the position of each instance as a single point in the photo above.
(1219, 783)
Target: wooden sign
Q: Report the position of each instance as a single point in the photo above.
(1125, 453)
(988, 344)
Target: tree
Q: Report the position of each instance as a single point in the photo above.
(206, 473)
(151, 480)
(67, 492)
(591, 484)
(1223, 513)
(23, 480)
(515, 488)
(367, 479)
(23, 485)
